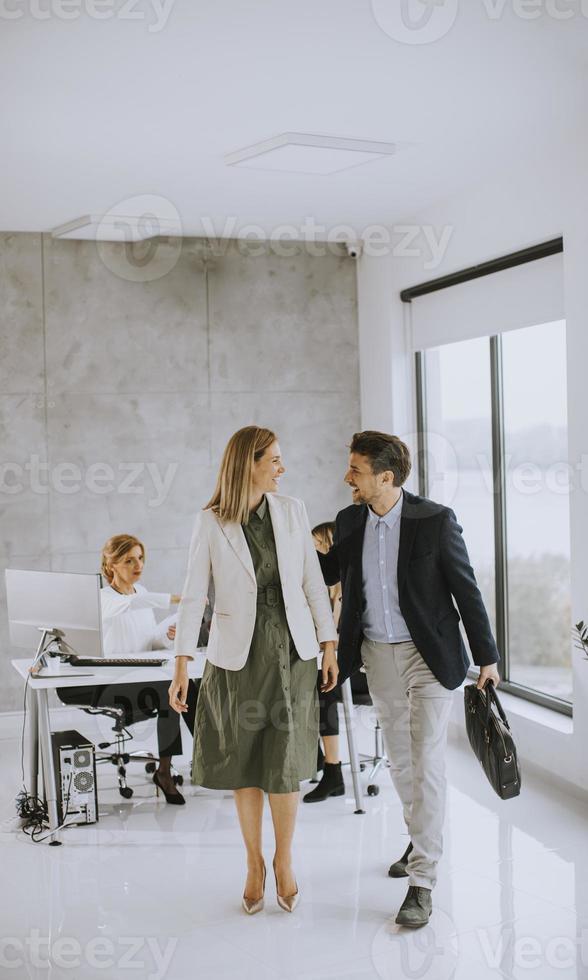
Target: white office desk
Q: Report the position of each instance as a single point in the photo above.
(110, 675)
(38, 712)
(40, 724)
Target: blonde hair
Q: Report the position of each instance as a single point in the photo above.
(324, 532)
(230, 500)
(115, 549)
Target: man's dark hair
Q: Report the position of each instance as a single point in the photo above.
(385, 452)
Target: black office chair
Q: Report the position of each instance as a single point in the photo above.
(120, 757)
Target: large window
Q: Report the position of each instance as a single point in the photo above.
(492, 415)
(537, 508)
(459, 448)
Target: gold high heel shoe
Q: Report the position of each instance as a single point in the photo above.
(287, 902)
(252, 906)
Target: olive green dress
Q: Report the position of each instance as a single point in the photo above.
(258, 726)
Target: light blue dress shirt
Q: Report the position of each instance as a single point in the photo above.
(382, 620)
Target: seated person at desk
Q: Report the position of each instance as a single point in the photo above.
(129, 626)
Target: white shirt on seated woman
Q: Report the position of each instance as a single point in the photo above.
(129, 624)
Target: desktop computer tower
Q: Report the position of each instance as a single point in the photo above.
(75, 773)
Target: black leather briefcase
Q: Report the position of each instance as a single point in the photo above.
(491, 739)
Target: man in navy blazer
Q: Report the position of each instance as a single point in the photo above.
(404, 567)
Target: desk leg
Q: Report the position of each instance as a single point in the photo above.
(33, 715)
(48, 766)
(353, 758)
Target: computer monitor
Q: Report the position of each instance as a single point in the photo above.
(65, 601)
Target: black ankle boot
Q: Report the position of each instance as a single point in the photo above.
(330, 785)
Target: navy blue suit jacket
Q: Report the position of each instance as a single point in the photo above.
(433, 570)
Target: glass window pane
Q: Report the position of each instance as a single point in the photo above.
(459, 448)
(537, 508)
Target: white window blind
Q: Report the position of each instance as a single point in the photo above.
(522, 296)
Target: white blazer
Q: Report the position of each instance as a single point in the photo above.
(220, 549)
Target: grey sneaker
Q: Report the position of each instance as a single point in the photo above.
(416, 907)
(398, 869)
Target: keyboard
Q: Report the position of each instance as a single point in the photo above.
(118, 661)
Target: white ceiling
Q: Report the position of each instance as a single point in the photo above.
(95, 112)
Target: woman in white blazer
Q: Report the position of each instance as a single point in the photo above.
(256, 723)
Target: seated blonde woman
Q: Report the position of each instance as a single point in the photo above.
(129, 626)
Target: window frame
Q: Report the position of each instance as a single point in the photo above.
(500, 517)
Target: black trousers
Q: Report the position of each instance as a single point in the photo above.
(140, 701)
(328, 714)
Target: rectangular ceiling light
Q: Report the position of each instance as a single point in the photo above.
(308, 154)
(117, 228)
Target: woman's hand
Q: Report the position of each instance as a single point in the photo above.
(178, 689)
(329, 667)
(175, 599)
(171, 633)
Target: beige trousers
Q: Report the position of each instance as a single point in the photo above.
(413, 708)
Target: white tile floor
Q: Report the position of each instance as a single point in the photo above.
(153, 891)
